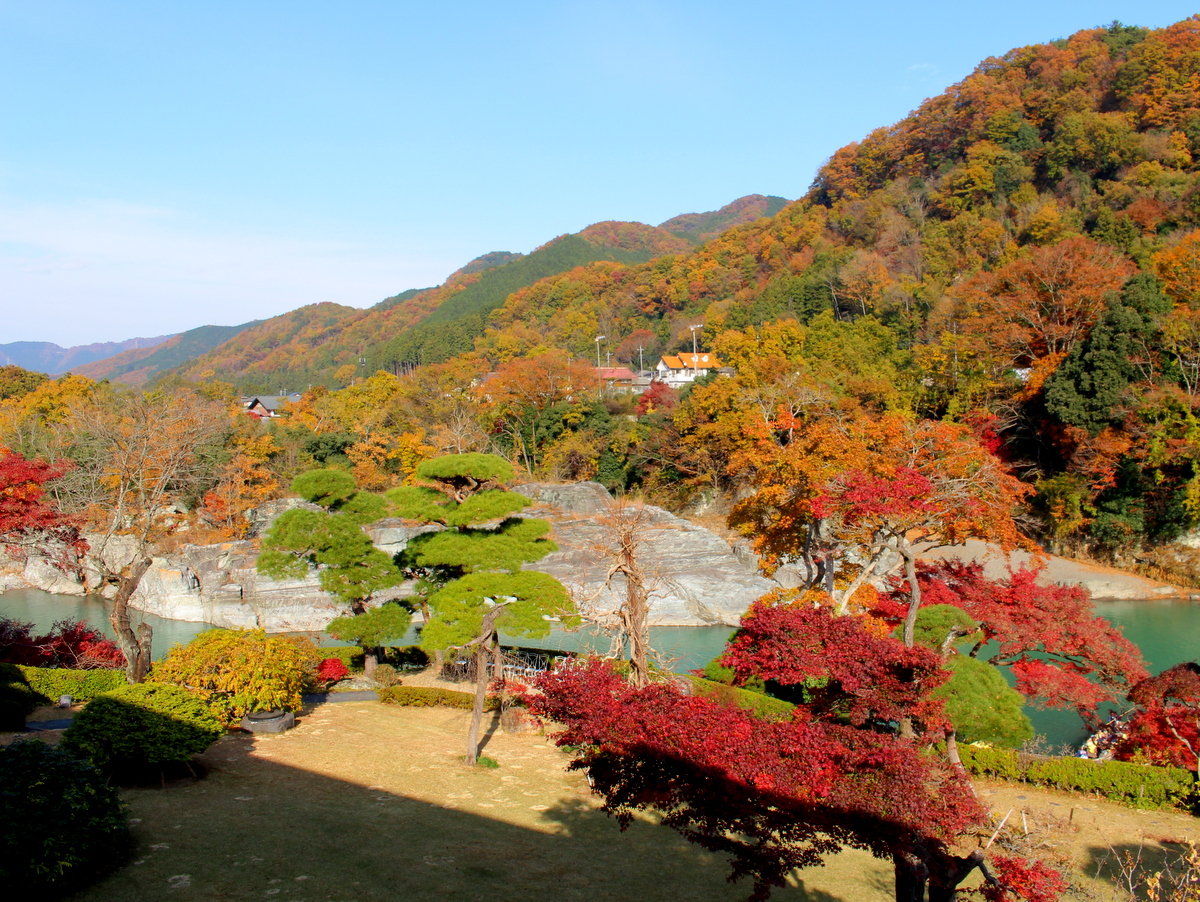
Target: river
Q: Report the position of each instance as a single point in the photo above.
(1166, 630)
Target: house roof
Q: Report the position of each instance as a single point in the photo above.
(616, 373)
(700, 361)
(271, 402)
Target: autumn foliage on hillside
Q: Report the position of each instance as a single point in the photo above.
(1012, 264)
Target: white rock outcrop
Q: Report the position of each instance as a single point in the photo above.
(696, 578)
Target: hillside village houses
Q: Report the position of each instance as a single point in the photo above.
(681, 369)
(266, 407)
(676, 370)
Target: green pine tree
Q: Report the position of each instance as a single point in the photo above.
(476, 586)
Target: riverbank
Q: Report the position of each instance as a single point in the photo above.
(1100, 582)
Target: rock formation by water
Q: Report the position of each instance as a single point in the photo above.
(694, 577)
(697, 579)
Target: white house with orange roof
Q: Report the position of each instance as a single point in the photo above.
(681, 369)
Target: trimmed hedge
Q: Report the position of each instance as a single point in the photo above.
(757, 703)
(52, 683)
(17, 699)
(137, 729)
(1138, 785)
(422, 697)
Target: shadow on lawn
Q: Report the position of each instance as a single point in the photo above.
(256, 829)
(1126, 866)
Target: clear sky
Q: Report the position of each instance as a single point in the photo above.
(170, 165)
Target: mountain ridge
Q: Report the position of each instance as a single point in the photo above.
(52, 359)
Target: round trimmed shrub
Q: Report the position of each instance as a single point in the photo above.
(238, 671)
(17, 699)
(61, 824)
(141, 728)
(385, 675)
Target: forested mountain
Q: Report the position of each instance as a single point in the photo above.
(137, 366)
(700, 227)
(47, 357)
(418, 326)
(1020, 251)
(1018, 259)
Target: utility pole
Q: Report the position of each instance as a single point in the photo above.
(599, 375)
(641, 366)
(695, 363)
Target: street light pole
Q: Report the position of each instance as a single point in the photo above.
(599, 338)
(695, 363)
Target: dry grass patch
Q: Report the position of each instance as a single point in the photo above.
(365, 802)
(368, 802)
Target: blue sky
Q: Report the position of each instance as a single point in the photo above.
(166, 165)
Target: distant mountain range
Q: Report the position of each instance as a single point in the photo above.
(326, 342)
(140, 364)
(47, 357)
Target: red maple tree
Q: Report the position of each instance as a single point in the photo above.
(1167, 729)
(1062, 654)
(844, 669)
(774, 795)
(27, 520)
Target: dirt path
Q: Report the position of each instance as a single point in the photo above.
(1091, 836)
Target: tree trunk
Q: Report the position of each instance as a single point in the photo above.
(498, 662)
(134, 645)
(940, 877)
(481, 682)
(370, 661)
(949, 873)
(956, 760)
(634, 613)
(637, 627)
(914, 597)
(911, 877)
(487, 635)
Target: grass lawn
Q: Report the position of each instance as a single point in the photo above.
(365, 802)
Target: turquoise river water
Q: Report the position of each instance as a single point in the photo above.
(1166, 630)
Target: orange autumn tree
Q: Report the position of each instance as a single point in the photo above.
(245, 482)
(1034, 310)
(849, 498)
(522, 393)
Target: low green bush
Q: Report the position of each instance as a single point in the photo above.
(61, 824)
(17, 698)
(140, 728)
(1003, 764)
(1138, 785)
(385, 675)
(422, 697)
(760, 705)
(718, 673)
(52, 683)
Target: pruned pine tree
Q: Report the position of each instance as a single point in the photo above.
(476, 563)
(350, 566)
